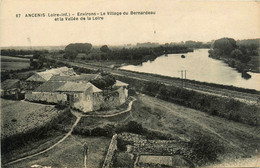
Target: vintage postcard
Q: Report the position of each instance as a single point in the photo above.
(130, 83)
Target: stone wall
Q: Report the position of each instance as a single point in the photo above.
(110, 152)
(143, 145)
(48, 97)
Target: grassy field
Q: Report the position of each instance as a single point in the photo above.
(70, 154)
(13, 63)
(20, 116)
(238, 140)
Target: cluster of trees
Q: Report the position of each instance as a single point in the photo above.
(105, 82)
(72, 50)
(228, 47)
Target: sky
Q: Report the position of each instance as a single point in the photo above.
(174, 21)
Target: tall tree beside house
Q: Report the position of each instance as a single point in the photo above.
(104, 82)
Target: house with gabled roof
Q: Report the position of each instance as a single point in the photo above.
(77, 95)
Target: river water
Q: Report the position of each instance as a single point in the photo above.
(198, 67)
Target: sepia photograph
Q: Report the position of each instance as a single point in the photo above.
(130, 83)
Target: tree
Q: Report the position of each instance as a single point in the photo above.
(236, 53)
(105, 82)
(104, 48)
(70, 54)
(226, 45)
(78, 47)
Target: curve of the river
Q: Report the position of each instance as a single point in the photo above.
(198, 67)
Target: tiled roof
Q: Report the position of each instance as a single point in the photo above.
(77, 78)
(49, 86)
(46, 75)
(77, 87)
(63, 86)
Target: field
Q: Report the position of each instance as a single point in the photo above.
(14, 63)
(20, 116)
(70, 154)
(238, 140)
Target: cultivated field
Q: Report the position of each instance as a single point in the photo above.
(20, 116)
(13, 63)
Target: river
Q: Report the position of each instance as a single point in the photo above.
(198, 67)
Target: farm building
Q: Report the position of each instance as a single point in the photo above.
(46, 75)
(39, 78)
(79, 94)
(10, 88)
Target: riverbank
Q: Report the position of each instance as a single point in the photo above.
(252, 66)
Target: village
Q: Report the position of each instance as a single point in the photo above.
(64, 87)
(89, 95)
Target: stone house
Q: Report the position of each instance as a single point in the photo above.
(77, 92)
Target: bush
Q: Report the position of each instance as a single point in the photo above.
(205, 148)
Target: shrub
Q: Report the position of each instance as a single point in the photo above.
(205, 148)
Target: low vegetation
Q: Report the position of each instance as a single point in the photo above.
(204, 149)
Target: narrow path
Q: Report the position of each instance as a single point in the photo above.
(46, 150)
(78, 115)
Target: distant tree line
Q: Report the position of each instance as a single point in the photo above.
(105, 53)
(197, 44)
